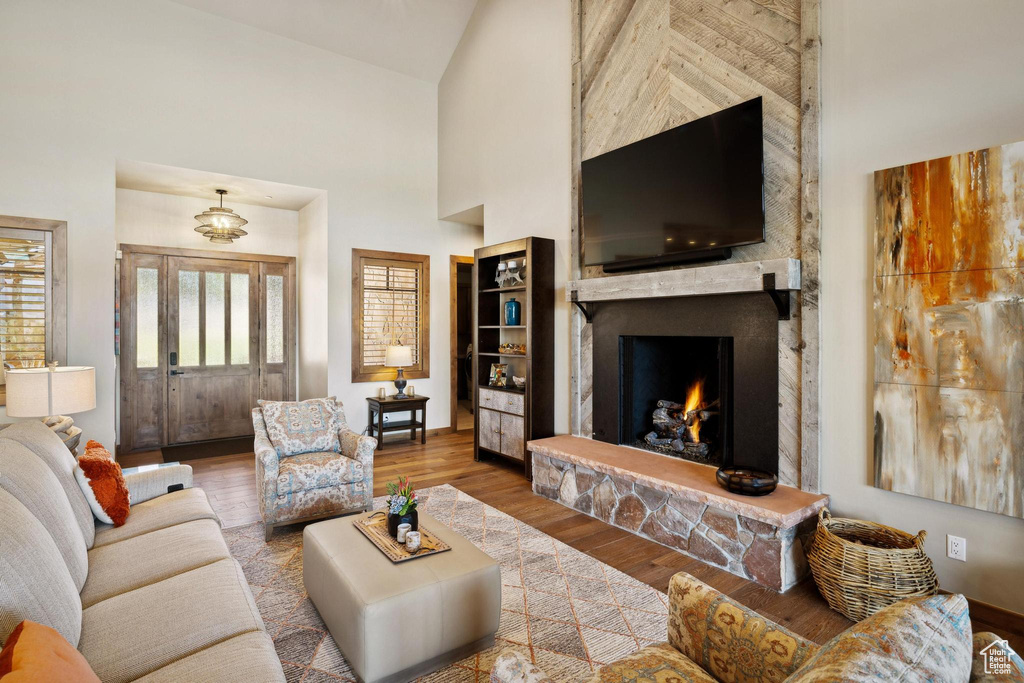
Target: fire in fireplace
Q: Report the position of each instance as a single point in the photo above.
(677, 426)
(675, 395)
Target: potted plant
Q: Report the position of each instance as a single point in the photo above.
(401, 506)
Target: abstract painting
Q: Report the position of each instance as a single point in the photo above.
(949, 329)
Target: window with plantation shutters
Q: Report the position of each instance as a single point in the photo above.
(390, 306)
(24, 256)
(33, 304)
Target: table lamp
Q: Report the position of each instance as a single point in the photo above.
(52, 391)
(399, 357)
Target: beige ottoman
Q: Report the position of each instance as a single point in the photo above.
(394, 622)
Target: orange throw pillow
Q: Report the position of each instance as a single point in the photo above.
(103, 484)
(34, 652)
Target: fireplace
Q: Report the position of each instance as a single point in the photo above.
(690, 377)
(675, 395)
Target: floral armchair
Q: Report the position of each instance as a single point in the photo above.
(309, 463)
(713, 638)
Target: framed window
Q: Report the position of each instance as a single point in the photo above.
(390, 305)
(33, 294)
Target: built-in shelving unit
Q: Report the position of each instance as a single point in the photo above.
(508, 417)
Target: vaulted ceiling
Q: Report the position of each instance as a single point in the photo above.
(413, 37)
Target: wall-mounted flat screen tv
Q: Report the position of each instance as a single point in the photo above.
(687, 194)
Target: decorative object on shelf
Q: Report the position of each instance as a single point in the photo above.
(519, 383)
(382, 393)
(411, 391)
(746, 481)
(412, 541)
(221, 225)
(51, 393)
(400, 357)
(512, 349)
(401, 506)
(499, 375)
(375, 527)
(512, 312)
(403, 530)
(861, 567)
(510, 273)
(516, 268)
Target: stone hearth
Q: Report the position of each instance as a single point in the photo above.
(680, 505)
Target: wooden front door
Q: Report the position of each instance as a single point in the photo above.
(203, 339)
(213, 348)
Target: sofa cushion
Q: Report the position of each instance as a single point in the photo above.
(34, 653)
(101, 481)
(39, 439)
(302, 426)
(34, 580)
(660, 662)
(136, 633)
(159, 513)
(726, 639)
(152, 557)
(242, 659)
(316, 470)
(918, 639)
(25, 476)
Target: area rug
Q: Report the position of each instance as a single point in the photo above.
(568, 611)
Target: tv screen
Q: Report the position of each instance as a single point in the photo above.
(696, 188)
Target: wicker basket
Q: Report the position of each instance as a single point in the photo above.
(861, 567)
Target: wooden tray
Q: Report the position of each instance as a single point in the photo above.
(375, 528)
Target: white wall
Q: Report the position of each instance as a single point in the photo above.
(311, 283)
(503, 138)
(166, 220)
(903, 82)
(87, 83)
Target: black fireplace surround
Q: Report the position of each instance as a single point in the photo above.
(646, 350)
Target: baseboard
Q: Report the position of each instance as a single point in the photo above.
(999, 617)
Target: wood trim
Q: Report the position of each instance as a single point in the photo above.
(577, 321)
(1001, 618)
(810, 241)
(359, 374)
(453, 335)
(58, 276)
(744, 276)
(204, 253)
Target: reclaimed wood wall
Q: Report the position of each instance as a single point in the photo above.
(644, 66)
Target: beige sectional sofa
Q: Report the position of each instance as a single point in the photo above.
(157, 599)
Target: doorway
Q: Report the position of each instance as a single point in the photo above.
(205, 335)
(461, 322)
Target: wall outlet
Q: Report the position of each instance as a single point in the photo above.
(387, 418)
(956, 548)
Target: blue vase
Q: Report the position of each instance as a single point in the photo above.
(512, 312)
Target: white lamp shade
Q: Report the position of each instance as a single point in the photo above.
(41, 392)
(398, 357)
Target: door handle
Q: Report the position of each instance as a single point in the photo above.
(176, 372)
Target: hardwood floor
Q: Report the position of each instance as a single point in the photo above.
(229, 481)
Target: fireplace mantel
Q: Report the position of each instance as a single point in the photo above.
(727, 278)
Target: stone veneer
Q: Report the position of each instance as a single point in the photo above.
(769, 554)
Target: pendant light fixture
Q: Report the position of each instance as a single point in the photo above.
(222, 226)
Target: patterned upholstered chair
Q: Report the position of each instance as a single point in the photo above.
(714, 638)
(309, 464)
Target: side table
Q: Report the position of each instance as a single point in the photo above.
(378, 407)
